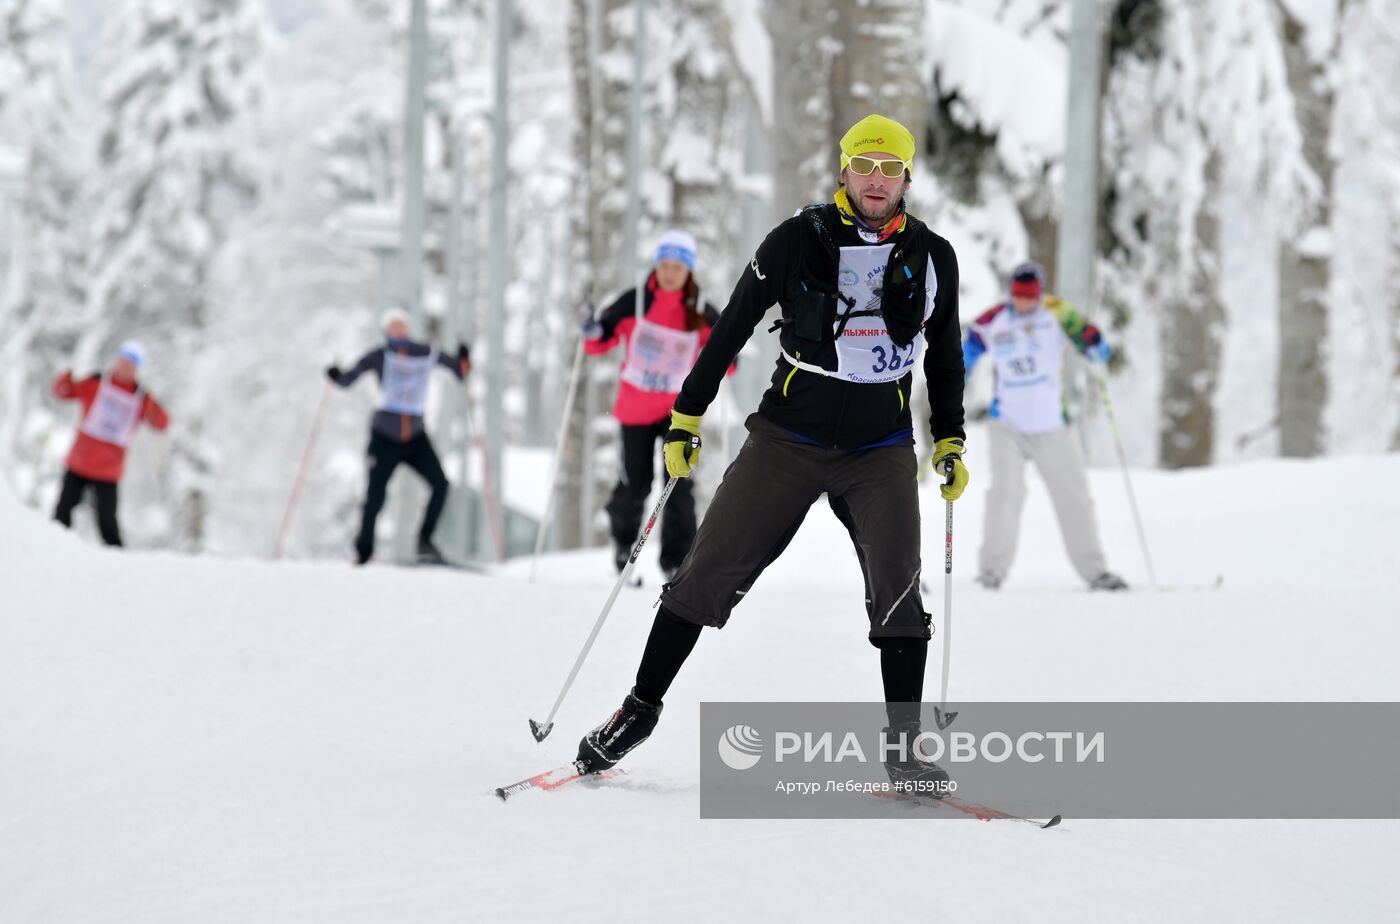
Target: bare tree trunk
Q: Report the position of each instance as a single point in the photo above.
(1305, 264)
(568, 517)
(834, 63)
(880, 39)
(1042, 231)
(1191, 344)
(599, 140)
(805, 159)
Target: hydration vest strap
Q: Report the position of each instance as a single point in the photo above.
(799, 364)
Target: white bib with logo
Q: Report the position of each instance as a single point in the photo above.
(113, 416)
(865, 352)
(404, 385)
(1029, 353)
(659, 358)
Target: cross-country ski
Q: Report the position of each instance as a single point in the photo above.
(551, 780)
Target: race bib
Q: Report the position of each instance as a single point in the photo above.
(1029, 356)
(113, 416)
(659, 358)
(865, 352)
(404, 385)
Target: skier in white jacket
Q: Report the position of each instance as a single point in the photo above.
(1028, 337)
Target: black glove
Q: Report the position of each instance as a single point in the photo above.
(464, 358)
(334, 374)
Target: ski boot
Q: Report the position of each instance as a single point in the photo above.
(428, 553)
(1108, 581)
(988, 580)
(629, 726)
(910, 774)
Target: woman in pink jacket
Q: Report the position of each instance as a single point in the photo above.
(660, 349)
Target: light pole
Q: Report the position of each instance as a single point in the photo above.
(408, 495)
(1074, 268)
(1074, 265)
(634, 154)
(498, 232)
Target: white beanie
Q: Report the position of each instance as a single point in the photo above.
(132, 351)
(393, 315)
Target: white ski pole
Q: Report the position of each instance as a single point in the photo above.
(541, 730)
(547, 520)
(1127, 481)
(941, 715)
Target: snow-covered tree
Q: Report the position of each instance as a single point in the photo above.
(1196, 110)
(292, 292)
(700, 142)
(1363, 336)
(995, 75)
(41, 258)
(172, 174)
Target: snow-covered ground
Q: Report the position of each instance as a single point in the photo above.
(206, 739)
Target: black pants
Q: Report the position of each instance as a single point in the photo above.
(105, 495)
(385, 455)
(627, 504)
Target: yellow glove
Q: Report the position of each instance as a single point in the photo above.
(682, 447)
(945, 452)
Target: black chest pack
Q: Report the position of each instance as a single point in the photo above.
(815, 311)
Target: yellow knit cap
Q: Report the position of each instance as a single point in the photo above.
(877, 133)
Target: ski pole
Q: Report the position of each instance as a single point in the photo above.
(941, 715)
(545, 521)
(541, 730)
(301, 472)
(1127, 481)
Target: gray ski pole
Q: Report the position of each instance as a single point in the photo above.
(1127, 482)
(541, 730)
(941, 715)
(546, 520)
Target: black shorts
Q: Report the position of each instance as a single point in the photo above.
(762, 501)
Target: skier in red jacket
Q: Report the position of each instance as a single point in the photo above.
(114, 405)
(661, 348)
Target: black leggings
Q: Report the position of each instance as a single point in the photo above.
(627, 505)
(385, 456)
(105, 495)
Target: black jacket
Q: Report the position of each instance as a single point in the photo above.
(833, 412)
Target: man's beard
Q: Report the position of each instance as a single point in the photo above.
(876, 221)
